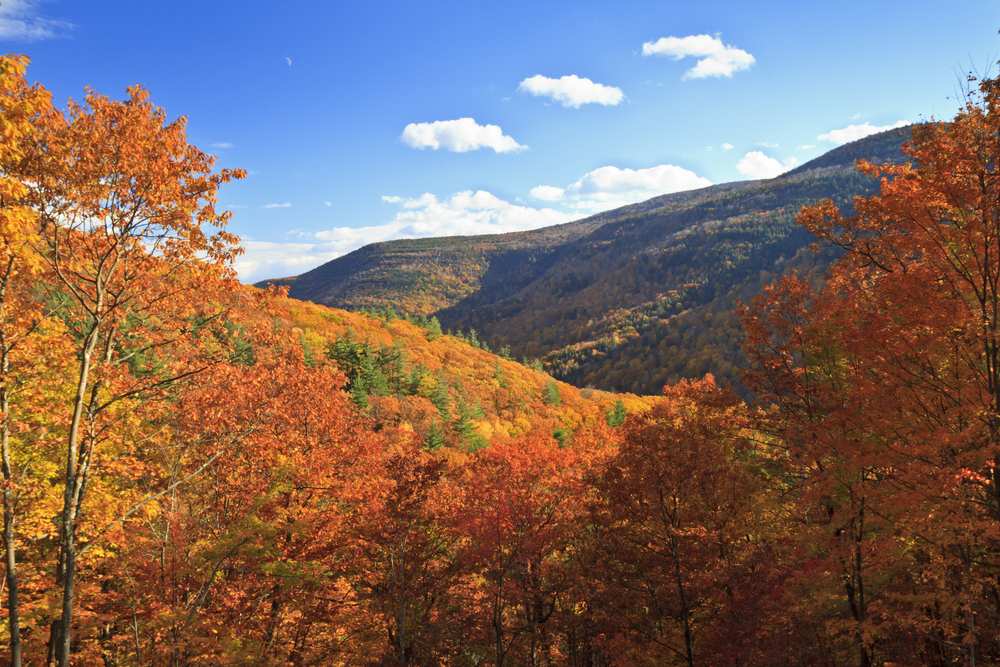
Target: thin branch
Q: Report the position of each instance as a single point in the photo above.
(135, 508)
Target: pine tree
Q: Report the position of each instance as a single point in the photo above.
(391, 361)
(419, 380)
(500, 376)
(463, 421)
(371, 377)
(433, 328)
(348, 353)
(440, 398)
(616, 415)
(435, 437)
(550, 395)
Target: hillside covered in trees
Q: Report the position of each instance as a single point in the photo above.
(628, 300)
(198, 472)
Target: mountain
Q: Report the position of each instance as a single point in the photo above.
(627, 300)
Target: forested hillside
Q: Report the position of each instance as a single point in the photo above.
(647, 298)
(629, 300)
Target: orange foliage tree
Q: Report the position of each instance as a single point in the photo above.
(519, 510)
(250, 558)
(27, 113)
(111, 205)
(888, 383)
(679, 526)
(405, 554)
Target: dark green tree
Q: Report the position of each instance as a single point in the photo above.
(371, 377)
(550, 395)
(435, 437)
(616, 415)
(441, 399)
(499, 375)
(392, 361)
(433, 328)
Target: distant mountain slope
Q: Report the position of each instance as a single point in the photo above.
(627, 300)
(422, 276)
(610, 306)
(882, 147)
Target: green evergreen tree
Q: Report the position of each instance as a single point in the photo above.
(347, 352)
(464, 427)
(391, 361)
(359, 393)
(419, 373)
(243, 352)
(616, 415)
(441, 399)
(475, 443)
(435, 437)
(308, 356)
(433, 328)
(499, 375)
(371, 378)
(463, 421)
(550, 395)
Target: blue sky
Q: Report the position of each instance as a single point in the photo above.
(365, 121)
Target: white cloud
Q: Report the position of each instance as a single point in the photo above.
(222, 144)
(424, 200)
(262, 260)
(805, 147)
(717, 59)
(766, 145)
(458, 136)
(727, 147)
(19, 20)
(285, 205)
(611, 187)
(757, 165)
(463, 214)
(855, 132)
(328, 203)
(572, 91)
(547, 193)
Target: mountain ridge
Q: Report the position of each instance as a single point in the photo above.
(651, 284)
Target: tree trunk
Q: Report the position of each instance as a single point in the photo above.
(71, 498)
(13, 609)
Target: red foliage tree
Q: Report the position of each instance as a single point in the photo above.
(888, 383)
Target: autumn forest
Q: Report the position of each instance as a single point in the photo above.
(200, 472)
